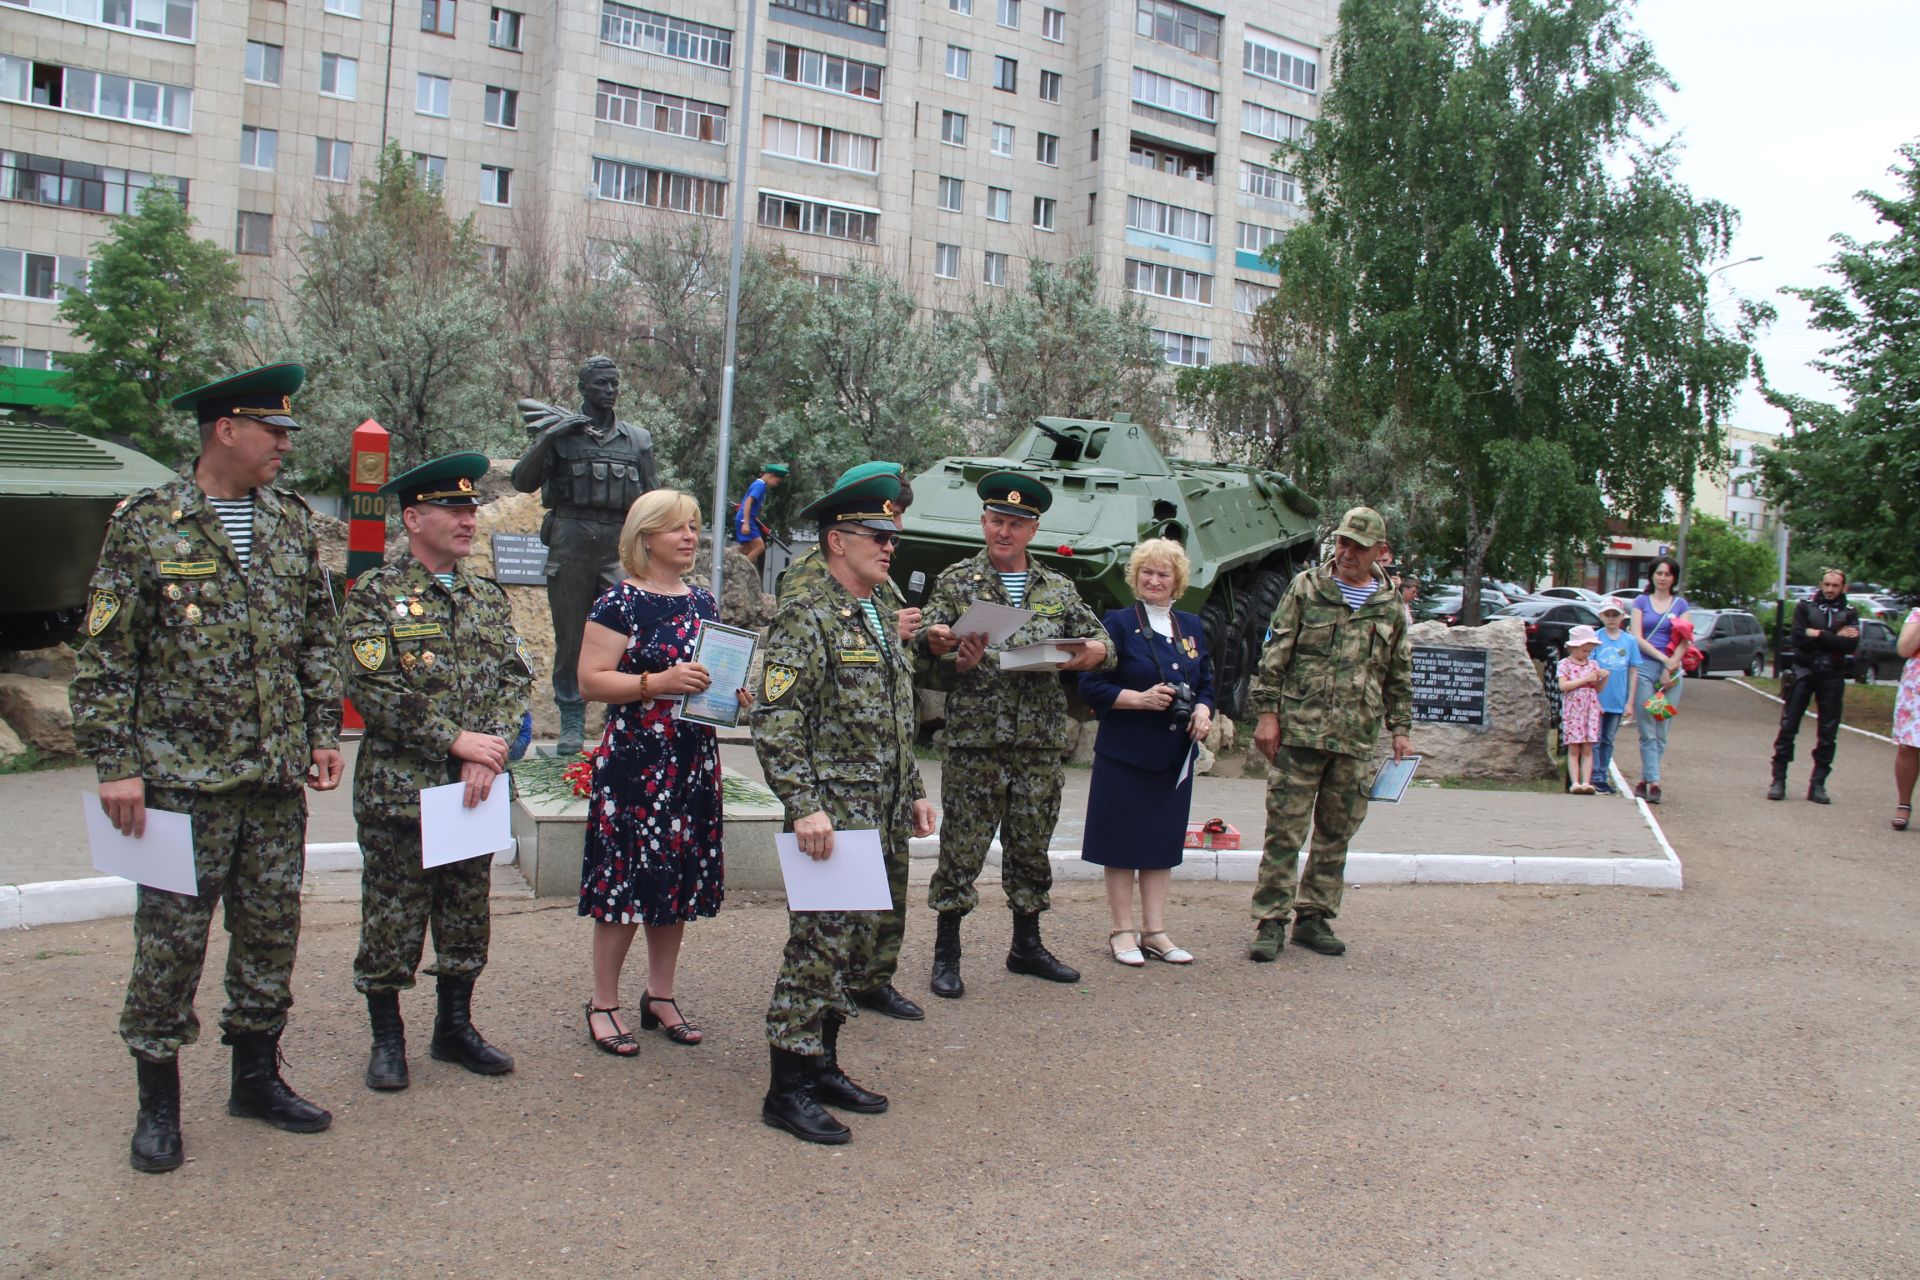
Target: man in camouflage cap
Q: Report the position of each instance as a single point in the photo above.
(1336, 665)
(208, 685)
(1005, 729)
(834, 729)
(438, 674)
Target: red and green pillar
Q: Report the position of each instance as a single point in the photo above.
(366, 514)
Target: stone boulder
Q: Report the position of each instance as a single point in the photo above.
(37, 710)
(59, 663)
(11, 748)
(1512, 745)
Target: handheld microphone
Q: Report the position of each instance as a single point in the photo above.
(917, 587)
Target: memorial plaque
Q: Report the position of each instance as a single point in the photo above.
(1450, 685)
(519, 560)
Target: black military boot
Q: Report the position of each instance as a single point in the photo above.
(1817, 792)
(573, 728)
(454, 1037)
(1030, 956)
(156, 1130)
(1777, 790)
(830, 1083)
(387, 1064)
(946, 957)
(888, 1000)
(790, 1103)
(258, 1091)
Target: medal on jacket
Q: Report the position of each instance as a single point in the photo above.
(400, 608)
(173, 591)
(1187, 646)
(193, 613)
(426, 657)
(407, 661)
(182, 547)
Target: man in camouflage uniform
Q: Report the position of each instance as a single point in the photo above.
(589, 467)
(834, 731)
(1006, 730)
(1336, 664)
(207, 685)
(875, 990)
(439, 677)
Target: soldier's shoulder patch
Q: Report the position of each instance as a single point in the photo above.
(780, 678)
(524, 654)
(370, 652)
(101, 609)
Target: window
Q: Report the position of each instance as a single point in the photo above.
(1006, 74)
(503, 107)
(94, 93)
(818, 144)
(999, 204)
(1268, 183)
(823, 71)
(961, 6)
(659, 188)
(345, 8)
(1169, 282)
(993, 269)
(503, 29)
(818, 218)
(1093, 144)
(1046, 149)
(1002, 144)
(258, 147)
(946, 261)
(1178, 25)
(339, 76)
(437, 16)
(670, 37)
(1010, 14)
(1049, 86)
(868, 14)
(661, 112)
(1278, 58)
(263, 63)
(959, 62)
(1161, 158)
(1053, 25)
(1093, 207)
(168, 19)
(1183, 348)
(953, 128)
(1169, 220)
(29, 357)
(331, 159)
(431, 170)
(39, 276)
(1168, 94)
(496, 185)
(433, 95)
(953, 194)
(253, 233)
(1043, 207)
(1280, 126)
(71, 184)
(1252, 239)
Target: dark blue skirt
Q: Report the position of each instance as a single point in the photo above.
(1136, 818)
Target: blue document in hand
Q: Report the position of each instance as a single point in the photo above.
(1391, 782)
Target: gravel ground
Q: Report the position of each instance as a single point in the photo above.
(1494, 1082)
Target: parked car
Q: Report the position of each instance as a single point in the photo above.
(1548, 621)
(1728, 640)
(1875, 659)
(1443, 605)
(1581, 594)
(1797, 592)
(1624, 593)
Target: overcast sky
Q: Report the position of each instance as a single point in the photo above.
(1786, 110)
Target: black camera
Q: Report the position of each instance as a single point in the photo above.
(1180, 710)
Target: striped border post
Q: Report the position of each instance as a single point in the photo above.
(366, 515)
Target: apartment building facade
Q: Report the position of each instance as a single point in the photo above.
(947, 141)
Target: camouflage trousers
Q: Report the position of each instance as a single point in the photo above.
(1329, 791)
(1013, 789)
(831, 955)
(398, 899)
(249, 851)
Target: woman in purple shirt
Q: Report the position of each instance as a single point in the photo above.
(1654, 613)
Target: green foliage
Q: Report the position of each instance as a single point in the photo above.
(160, 315)
(1849, 477)
(1725, 570)
(1497, 265)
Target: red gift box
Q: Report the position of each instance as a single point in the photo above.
(1214, 833)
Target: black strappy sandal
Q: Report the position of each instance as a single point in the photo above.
(620, 1044)
(1906, 814)
(681, 1032)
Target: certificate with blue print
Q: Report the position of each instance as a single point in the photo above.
(727, 654)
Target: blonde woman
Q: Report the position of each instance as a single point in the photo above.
(1138, 804)
(653, 857)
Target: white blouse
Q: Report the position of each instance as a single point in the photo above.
(1160, 618)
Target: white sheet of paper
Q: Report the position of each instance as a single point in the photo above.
(451, 832)
(995, 621)
(853, 878)
(1193, 754)
(160, 859)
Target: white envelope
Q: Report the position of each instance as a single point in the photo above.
(852, 878)
(160, 859)
(451, 832)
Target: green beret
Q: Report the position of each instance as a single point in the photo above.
(774, 469)
(445, 482)
(868, 501)
(264, 394)
(1014, 493)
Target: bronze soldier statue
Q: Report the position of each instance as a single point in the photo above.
(589, 467)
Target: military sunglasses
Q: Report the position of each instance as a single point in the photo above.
(881, 540)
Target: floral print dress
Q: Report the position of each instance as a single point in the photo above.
(1580, 709)
(653, 819)
(1906, 703)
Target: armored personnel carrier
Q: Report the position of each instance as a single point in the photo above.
(1246, 530)
(57, 489)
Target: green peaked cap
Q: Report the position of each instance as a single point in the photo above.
(1014, 493)
(868, 501)
(448, 481)
(264, 394)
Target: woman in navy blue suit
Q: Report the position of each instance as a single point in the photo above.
(1137, 807)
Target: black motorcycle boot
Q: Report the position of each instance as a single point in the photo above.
(790, 1103)
(387, 1064)
(831, 1085)
(259, 1093)
(156, 1130)
(454, 1037)
(889, 1001)
(946, 957)
(1817, 791)
(1777, 789)
(1030, 956)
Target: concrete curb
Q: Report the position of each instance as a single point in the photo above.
(1774, 697)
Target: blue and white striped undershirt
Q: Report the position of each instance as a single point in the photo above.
(1015, 585)
(236, 517)
(444, 579)
(872, 611)
(1356, 596)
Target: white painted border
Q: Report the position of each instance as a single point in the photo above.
(1774, 697)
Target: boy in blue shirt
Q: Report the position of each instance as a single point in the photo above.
(747, 530)
(1614, 655)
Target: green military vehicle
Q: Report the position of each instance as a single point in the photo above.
(57, 489)
(1246, 530)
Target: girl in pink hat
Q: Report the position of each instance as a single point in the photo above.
(1580, 681)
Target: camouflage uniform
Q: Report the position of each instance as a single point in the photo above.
(834, 729)
(1005, 735)
(1331, 674)
(426, 663)
(214, 686)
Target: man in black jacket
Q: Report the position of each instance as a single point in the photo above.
(1826, 631)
